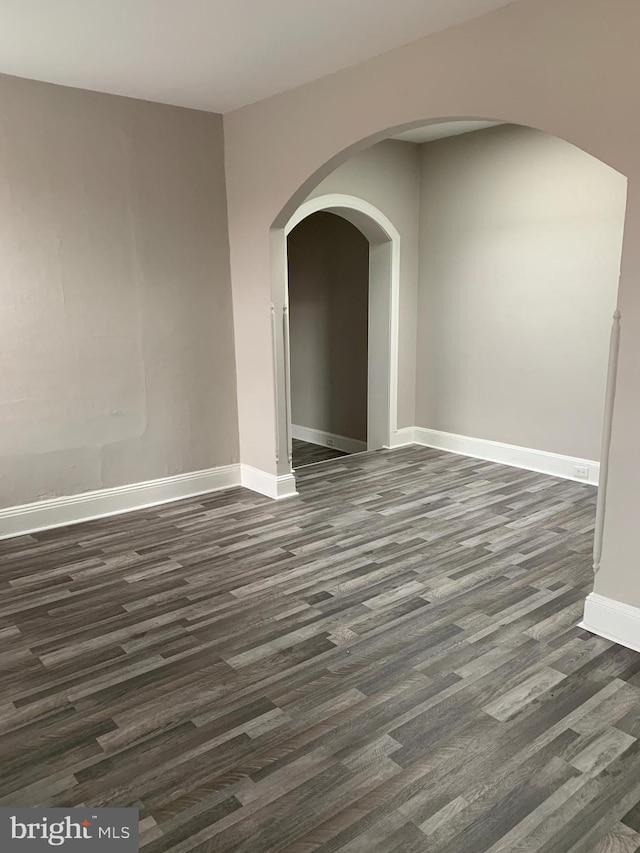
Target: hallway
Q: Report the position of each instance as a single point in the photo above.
(305, 453)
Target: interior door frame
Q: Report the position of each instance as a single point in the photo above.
(383, 320)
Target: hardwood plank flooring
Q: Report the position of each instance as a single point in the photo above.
(305, 453)
(388, 663)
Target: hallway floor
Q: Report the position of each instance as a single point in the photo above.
(388, 663)
(305, 453)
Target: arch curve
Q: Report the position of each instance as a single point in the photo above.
(367, 218)
(341, 156)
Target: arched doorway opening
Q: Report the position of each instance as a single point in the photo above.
(321, 174)
(384, 267)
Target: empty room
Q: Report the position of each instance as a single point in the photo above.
(319, 403)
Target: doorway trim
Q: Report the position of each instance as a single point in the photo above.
(384, 303)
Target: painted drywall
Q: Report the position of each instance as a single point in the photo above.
(116, 339)
(328, 323)
(387, 175)
(520, 245)
(567, 67)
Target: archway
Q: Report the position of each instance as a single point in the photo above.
(384, 286)
(317, 204)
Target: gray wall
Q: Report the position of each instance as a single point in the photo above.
(328, 311)
(116, 340)
(520, 244)
(387, 176)
(569, 67)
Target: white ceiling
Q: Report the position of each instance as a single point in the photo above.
(444, 129)
(209, 54)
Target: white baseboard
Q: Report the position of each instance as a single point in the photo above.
(59, 512)
(509, 454)
(273, 486)
(328, 439)
(88, 506)
(402, 438)
(612, 620)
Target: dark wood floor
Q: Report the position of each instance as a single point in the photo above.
(305, 453)
(389, 662)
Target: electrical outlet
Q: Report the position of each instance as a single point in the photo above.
(581, 471)
(330, 442)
